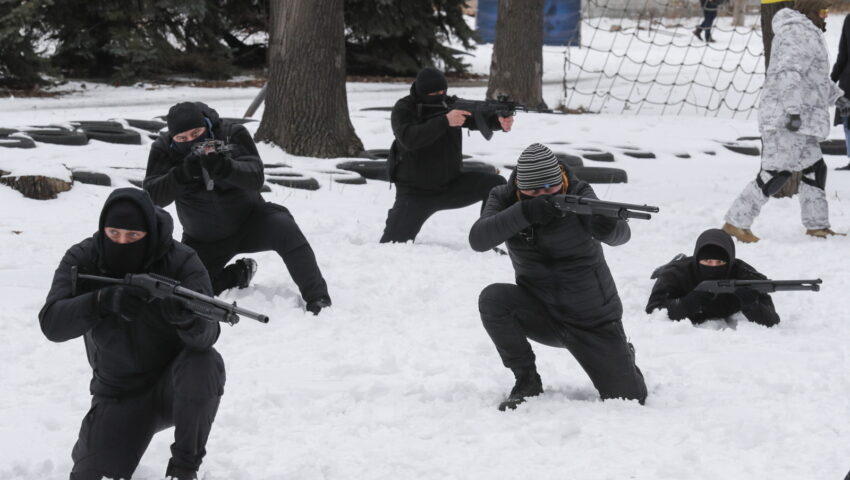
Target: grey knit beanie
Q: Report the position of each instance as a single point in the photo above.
(537, 167)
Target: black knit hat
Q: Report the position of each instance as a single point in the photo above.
(537, 167)
(430, 80)
(127, 215)
(184, 116)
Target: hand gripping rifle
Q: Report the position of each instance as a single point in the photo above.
(210, 147)
(161, 287)
(717, 287)
(481, 110)
(591, 206)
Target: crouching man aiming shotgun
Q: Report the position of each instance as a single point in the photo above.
(564, 294)
(153, 361)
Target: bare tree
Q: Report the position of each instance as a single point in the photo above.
(516, 68)
(306, 105)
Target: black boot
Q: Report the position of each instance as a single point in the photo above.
(708, 37)
(698, 33)
(846, 167)
(528, 384)
(316, 306)
(179, 473)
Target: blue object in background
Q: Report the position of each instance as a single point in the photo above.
(561, 21)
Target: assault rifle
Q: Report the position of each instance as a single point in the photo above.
(161, 287)
(591, 206)
(210, 147)
(717, 287)
(481, 109)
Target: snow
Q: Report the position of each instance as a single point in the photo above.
(399, 379)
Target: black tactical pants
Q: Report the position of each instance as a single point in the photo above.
(412, 209)
(116, 431)
(511, 316)
(270, 227)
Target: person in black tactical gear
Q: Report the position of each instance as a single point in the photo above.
(713, 259)
(564, 294)
(426, 157)
(153, 361)
(220, 206)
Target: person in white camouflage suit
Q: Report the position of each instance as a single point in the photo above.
(793, 119)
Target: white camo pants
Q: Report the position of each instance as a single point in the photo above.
(813, 207)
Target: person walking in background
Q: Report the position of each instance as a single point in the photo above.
(841, 74)
(709, 13)
(793, 119)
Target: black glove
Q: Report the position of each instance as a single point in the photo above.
(316, 306)
(175, 312)
(218, 165)
(190, 170)
(842, 105)
(121, 300)
(539, 210)
(747, 296)
(689, 305)
(794, 123)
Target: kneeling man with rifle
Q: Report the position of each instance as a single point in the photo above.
(713, 284)
(564, 295)
(152, 358)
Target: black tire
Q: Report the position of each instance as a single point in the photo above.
(570, 160)
(276, 165)
(558, 142)
(59, 136)
(266, 188)
(136, 183)
(91, 178)
(478, 167)
(16, 142)
(833, 147)
(599, 157)
(240, 121)
(114, 135)
(378, 153)
(371, 169)
(601, 175)
(377, 109)
(345, 177)
(638, 154)
(153, 126)
(683, 155)
(748, 139)
(97, 124)
(743, 149)
(5, 132)
(301, 182)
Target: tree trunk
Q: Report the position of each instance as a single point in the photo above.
(516, 68)
(306, 105)
(768, 10)
(738, 7)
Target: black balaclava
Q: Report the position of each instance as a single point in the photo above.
(121, 259)
(718, 245)
(182, 117)
(430, 80)
(811, 9)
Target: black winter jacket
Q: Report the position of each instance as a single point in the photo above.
(840, 71)
(219, 213)
(680, 277)
(429, 150)
(562, 263)
(126, 357)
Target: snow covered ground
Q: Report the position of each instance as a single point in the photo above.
(399, 380)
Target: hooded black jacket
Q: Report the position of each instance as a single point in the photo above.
(680, 277)
(216, 214)
(126, 357)
(560, 263)
(430, 152)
